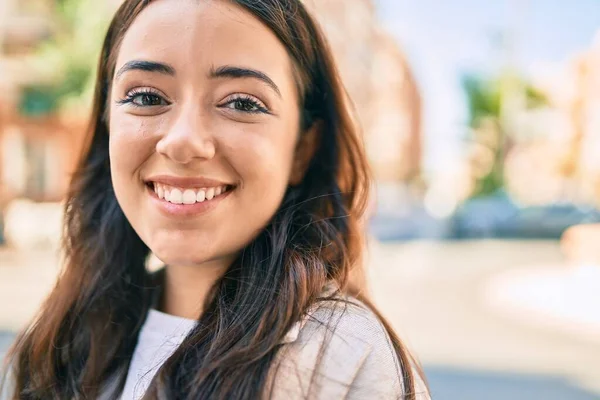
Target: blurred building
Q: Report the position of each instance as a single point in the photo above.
(394, 127)
(35, 152)
(585, 112)
(380, 84)
(555, 158)
(39, 142)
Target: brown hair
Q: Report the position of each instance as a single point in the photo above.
(87, 329)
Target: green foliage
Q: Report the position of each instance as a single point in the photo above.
(535, 98)
(485, 98)
(492, 182)
(68, 57)
(38, 100)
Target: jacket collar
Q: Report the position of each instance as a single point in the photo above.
(292, 335)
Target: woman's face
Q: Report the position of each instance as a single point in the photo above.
(204, 125)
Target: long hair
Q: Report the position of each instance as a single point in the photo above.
(87, 329)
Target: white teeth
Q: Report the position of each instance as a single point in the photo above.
(210, 193)
(189, 197)
(176, 196)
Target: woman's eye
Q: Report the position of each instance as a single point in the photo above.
(144, 99)
(246, 104)
(147, 100)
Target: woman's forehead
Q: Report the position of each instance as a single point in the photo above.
(203, 35)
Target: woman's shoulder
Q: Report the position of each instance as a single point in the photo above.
(348, 319)
(340, 350)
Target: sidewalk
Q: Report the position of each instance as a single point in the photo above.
(25, 280)
(435, 296)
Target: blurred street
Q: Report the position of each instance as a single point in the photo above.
(437, 296)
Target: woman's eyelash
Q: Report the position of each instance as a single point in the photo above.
(242, 103)
(246, 104)
(150, 94)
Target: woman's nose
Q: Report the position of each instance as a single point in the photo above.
(189, 138)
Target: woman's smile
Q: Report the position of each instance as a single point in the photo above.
(176, 196)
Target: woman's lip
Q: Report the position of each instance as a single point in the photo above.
(189, 182)
(185, 210)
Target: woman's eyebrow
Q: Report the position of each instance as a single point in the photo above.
(148, 66)
(228, 71)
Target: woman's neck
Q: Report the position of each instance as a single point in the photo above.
(186, 288)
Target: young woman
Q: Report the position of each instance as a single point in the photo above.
(221, 142)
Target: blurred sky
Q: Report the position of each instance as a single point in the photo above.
(445, 39)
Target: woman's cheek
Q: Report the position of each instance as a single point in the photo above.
(131, 142)
(261, 159)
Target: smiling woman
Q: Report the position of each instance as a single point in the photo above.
(221, 141)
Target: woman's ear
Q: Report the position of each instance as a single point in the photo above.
(305, 150)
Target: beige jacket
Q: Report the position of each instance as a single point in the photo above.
(358, 360)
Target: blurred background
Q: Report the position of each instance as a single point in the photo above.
(482, 124)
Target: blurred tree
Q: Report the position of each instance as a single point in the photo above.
(491, 104)
(67, 60)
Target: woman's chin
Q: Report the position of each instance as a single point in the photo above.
(170, 248)
(183, 258)
(178, 260)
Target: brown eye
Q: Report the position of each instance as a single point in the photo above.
(147, 100)
(246, 104)
(144, 98)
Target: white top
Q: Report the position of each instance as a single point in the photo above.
(159, 337)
